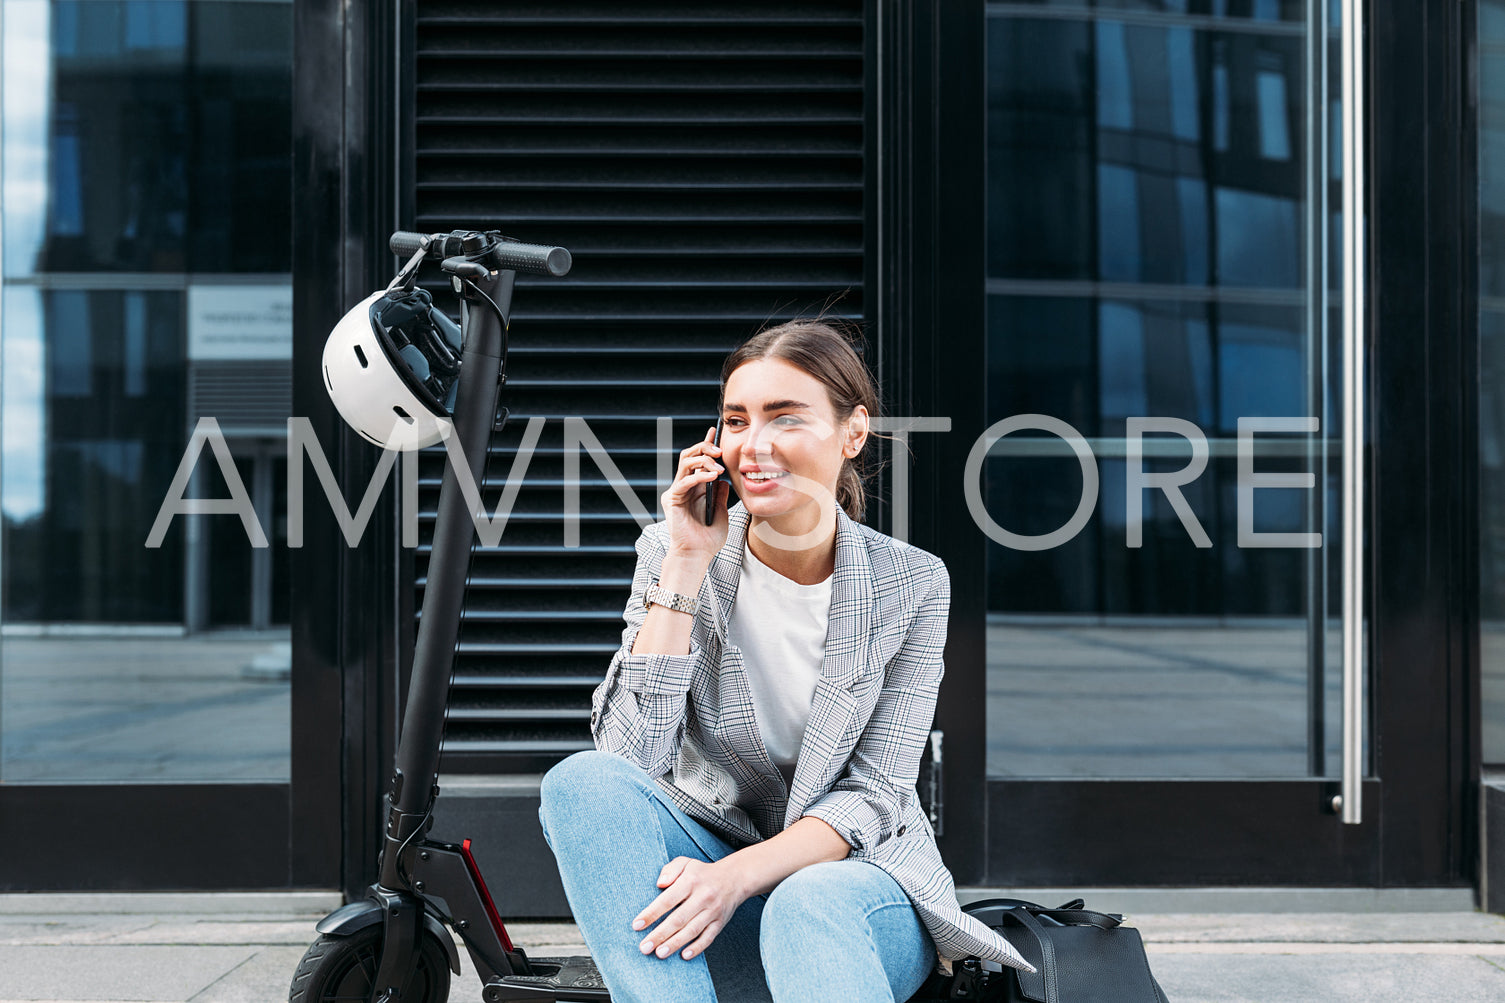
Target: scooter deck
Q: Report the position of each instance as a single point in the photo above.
(554, 979)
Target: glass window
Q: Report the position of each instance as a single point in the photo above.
(1146, 231)
(145, 180)
(1259, 239)
(1492, 374)
(1041, 100)
(1274, 136)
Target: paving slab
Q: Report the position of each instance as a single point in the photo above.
(544, 939)
(17, 930)
(113, 972)
(264, 977)
(196, 957)
(281, 904)
(176, 931)
(1331, 928)
(142, 930)
(1218, 901)
(1331, 978)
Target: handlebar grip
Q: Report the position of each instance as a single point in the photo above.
(536, 258)
(509, 254)
(405, 244)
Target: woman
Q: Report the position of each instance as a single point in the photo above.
(747, 827)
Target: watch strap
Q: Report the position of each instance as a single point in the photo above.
(656, 595)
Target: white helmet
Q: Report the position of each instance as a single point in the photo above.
(392, 367)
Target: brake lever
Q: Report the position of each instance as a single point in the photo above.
(464, 268)
(408, 274)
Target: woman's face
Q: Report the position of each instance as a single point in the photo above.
(779, 421)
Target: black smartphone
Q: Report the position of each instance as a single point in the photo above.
(710, 488)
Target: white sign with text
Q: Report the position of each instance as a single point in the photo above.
(240, 322)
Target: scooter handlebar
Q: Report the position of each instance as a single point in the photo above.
(538, 259)
(405, 244)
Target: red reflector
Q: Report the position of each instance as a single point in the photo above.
(491, 914)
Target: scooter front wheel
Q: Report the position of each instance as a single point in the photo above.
(344, 969)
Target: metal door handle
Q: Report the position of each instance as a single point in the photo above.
(1353, 410)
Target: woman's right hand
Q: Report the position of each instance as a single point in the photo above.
(684, 502)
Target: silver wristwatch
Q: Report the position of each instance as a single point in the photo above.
(671, 600)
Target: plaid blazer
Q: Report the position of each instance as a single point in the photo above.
(688, 719)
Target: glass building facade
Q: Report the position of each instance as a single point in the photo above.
(1153, 619)
(147, 285)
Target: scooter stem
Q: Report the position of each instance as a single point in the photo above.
(414, 780)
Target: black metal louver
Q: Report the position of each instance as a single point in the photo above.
(704, 163)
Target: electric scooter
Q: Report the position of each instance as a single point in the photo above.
(392, 946)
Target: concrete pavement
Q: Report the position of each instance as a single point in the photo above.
(165, 948)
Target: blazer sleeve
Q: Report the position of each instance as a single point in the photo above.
(638, 710)
(865, 803)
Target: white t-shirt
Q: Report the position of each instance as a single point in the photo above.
(780, 625)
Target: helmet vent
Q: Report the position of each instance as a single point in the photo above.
(400, 412)
(327, 382)
(361, 356)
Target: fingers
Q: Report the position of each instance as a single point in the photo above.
(693, 920)
(667, 899)
(696, 466)
(705, 447)
(691, 930)
(701, 461)
(683, 489)
(689, 460)
(672, 870)
(704, 940)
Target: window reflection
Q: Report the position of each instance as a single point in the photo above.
(1491, 22)
(1111, 117)
(1274, 131)
(1240, 10)
(1261, 371)
(114, 423)
(1041, 217)
(1146, 258)
(1203, 363)
(145, 172)
(165, 157)
(1492, 374)
(24, 418)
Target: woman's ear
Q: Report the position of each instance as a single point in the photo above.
(856, 432)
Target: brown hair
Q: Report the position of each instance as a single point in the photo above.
(824, 349)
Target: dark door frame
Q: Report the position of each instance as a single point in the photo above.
(1424, 172)
(347, 617)
(925, 270)
(1420, 825)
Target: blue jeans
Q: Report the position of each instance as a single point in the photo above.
(834, 932)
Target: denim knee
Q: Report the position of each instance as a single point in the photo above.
(586, 778)
(818, 893)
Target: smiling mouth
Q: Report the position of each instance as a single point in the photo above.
(763, 478)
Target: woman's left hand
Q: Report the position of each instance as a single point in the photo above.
(706, 895)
